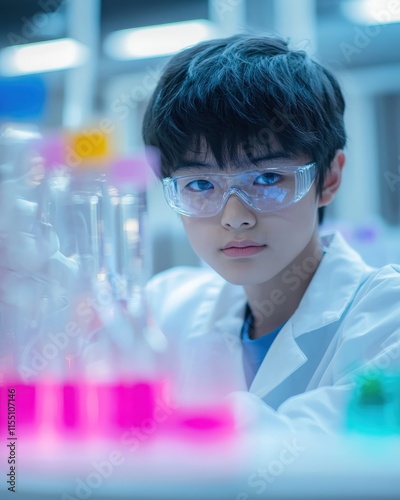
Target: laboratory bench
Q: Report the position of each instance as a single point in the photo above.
(249, 465)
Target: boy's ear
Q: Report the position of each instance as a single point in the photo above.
(333, 179)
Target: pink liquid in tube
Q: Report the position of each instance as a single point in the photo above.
(54, 410)
(205, 424)
(18, 398)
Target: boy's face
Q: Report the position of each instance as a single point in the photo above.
(271, 240)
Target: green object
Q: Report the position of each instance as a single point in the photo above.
(372, 393)
(375, 405)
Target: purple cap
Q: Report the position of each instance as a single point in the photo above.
(52, 149)
(137, 169)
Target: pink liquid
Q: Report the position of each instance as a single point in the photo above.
(213, 423)
(19, 410)
(78, 410)
(105, 409)
(49, 410)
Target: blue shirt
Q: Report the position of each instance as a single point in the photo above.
(254, 350)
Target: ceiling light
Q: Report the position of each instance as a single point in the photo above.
(371, 11)
(42, 57)
(22, 133)
(160, 40)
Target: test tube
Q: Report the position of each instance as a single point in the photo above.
(24, 284)
(85, 198)
(75, 200)
(138, 379)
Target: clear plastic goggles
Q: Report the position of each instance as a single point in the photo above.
(265, 190)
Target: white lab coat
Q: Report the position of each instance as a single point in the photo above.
(347, 320)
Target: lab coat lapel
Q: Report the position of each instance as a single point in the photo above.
(282, 360)
(314, 345)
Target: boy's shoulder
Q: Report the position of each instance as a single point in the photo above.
(384, 280)
(349, 274)
(174, 294)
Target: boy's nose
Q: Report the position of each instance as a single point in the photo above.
(236, 213)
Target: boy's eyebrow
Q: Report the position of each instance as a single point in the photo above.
(191, 164)
(272, 155)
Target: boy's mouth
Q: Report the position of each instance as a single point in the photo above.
(242, 248)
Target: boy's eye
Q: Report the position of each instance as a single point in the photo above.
(268, 178)
(199, 185)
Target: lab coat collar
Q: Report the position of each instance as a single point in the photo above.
(341, 269)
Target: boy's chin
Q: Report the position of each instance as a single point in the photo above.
(244, 279)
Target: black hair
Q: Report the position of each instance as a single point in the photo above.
(241, 90)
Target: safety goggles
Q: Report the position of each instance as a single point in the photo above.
(264, 190)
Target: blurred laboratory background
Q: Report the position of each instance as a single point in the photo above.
(99, 61)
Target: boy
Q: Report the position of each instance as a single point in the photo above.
(251, 137)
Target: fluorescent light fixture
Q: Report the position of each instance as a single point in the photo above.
(159, 40)
(371, 11)
(42, 57)
(11, 133)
